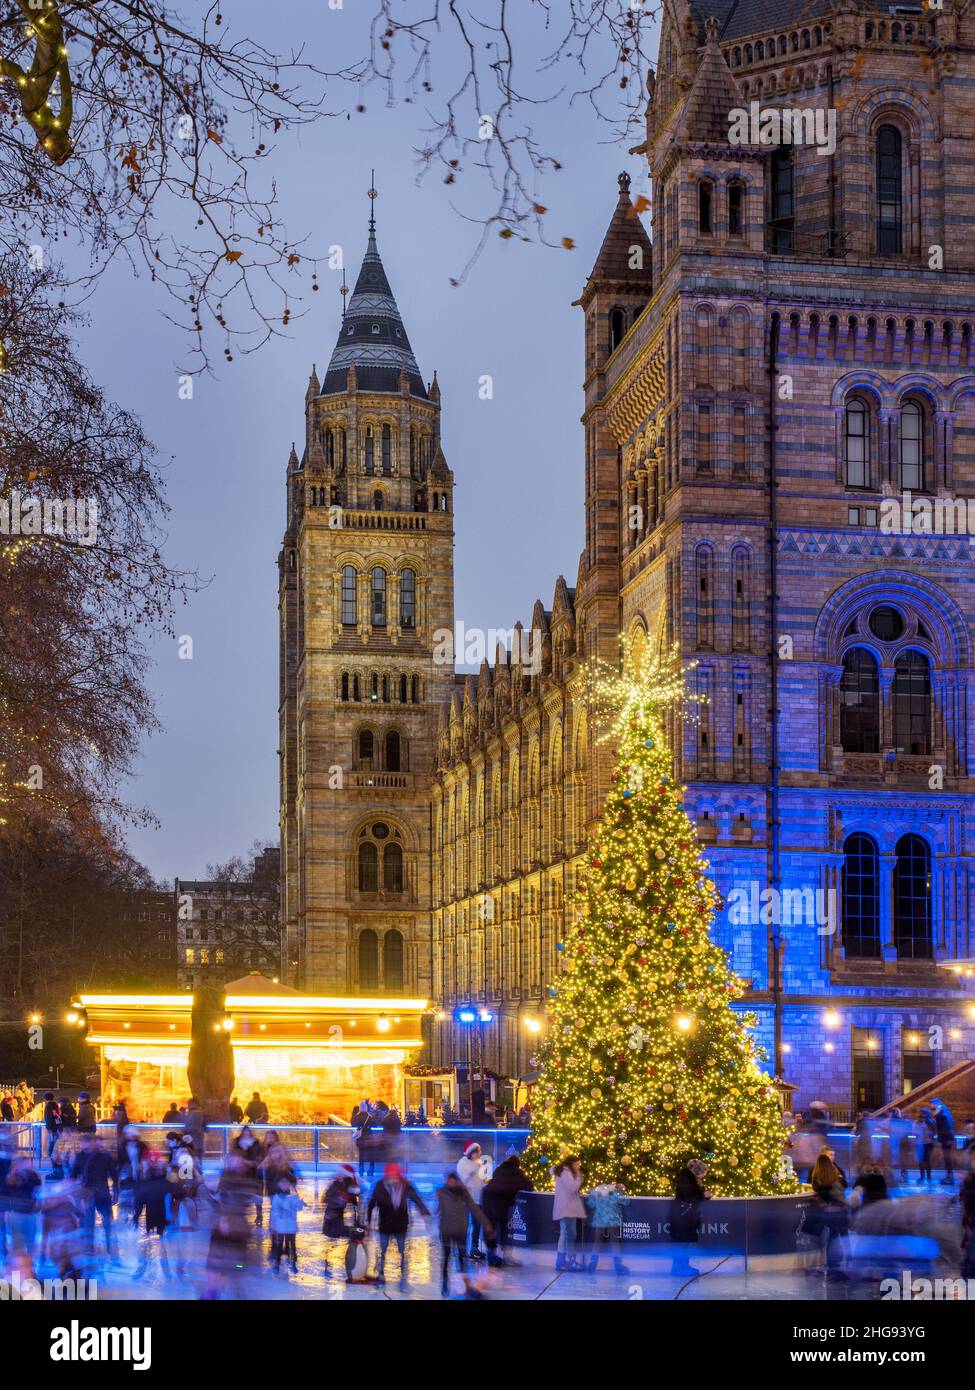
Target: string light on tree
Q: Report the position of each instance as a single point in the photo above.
(646, 1064)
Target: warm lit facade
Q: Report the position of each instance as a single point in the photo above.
(804, 317)
(311, 1057)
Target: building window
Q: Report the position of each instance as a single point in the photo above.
(705, 208)
(349, 605)
(617, 328)
(368, 959)
(407, 600)
(736, 209)
(912, 899)
(859, 703)
(392, 751)
(387, 449)
(377, 501)
(393, 868)
(379, 597)
(370, 450)
(861, 898)
(782, 213)
(704, 439)
(867, 1053)
(393, 974)
(912, 447)
(889, 191)
(345, 685)
(912, 704)
(365, 749)
(857, 445)
(368, 867)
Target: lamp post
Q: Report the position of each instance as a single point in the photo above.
(471, 1017)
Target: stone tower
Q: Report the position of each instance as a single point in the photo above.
(366, 579)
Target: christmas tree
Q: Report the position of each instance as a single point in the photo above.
(646, 1064)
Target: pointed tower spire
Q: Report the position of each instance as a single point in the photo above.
(372, 338)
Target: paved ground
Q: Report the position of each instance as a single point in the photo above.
(650, 1271)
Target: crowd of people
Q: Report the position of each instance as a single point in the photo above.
(17, 1103)
(210, 1228)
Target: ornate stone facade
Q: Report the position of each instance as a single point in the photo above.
(763, 384)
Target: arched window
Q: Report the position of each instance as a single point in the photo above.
(857, 443)
(393, 976)
(393, 868)
(912, 899)
(345, 685)
(368, 867)
(889, 191)
(859, 703)
(407, 600)
(370, 445)
(782, 215)
(402, 690)
(861, 898)
(912, 447)
(329, 448)
(356, 688)
(368, 959)
(736, 209)
(705, 207)
(392, 751)
(365, 750)
(617, 328)
(415, 690)
(379, 597)
(387, 449)
(912, 704)
(349, 606)
(377, 500)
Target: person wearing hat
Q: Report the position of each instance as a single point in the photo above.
(391, 1198)
(341, 1197)
(86, 1114)
(470, 1170)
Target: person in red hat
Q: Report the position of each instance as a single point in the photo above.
(391, 1198)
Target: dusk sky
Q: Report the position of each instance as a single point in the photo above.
(211, 776)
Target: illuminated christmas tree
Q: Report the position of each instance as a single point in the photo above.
(646, 1064)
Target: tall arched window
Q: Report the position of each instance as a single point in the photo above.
(349, 614)
(705, 208)
(617, 328)
(913, 937)
(377, 500)
(366, 749)
(861, 898)
(370, 450)
(387, 449)
(859, 703)
(392, 751)
(407, 600)
(368, 867)
(393, 973)
(912, 703)
(393, 868)
(912, 447)
(345, 685)
(782, 213)
(378, 597)
(857, 443)
(736, 208)
(889, 191)
(368, 959)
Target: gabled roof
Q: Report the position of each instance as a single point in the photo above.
(742, 18)
(615, 259)
(714, 92)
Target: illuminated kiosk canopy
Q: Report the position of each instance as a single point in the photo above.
(310, 1056)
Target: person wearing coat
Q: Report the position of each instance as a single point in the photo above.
(685, 1209)
(195, 1125)
(470, 1170)
(944, 1128)
(498, 1199)
(455, 1208)
(568, 1210)
(7, 1109)
(87, 1119)
(391, 1198)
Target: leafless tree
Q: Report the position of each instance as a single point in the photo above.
(79, 599)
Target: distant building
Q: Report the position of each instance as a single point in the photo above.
(227, 927)
(145, 933)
